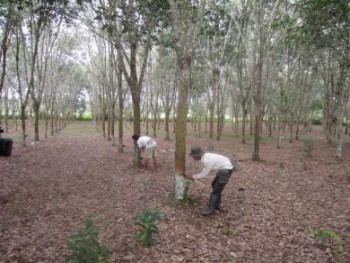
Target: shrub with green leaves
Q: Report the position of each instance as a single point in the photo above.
(84, 246)
(332, 240)
(147, 220)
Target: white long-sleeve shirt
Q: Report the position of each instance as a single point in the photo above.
(146, 141)
(213, 162)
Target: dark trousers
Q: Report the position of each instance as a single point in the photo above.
(218, 185)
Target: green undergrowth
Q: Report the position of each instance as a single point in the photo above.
(85, 247)
(333, 241)
(147, 220)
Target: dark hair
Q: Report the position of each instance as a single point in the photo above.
(135, 137)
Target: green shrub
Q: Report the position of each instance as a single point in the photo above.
(334, 241)
(85, 117)
(84, 246)
(147, 220)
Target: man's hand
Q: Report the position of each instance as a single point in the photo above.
(189, 177)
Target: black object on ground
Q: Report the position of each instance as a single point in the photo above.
(5, 145)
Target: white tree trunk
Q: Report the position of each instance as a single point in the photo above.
(339, 136)
(181, 187)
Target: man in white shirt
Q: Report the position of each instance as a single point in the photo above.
(212, 162)
(148, 147)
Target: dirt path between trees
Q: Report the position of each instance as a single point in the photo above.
(271, 208)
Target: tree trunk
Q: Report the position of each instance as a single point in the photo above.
(244, 118)
(167, 134)
(180, 18)
(113, 122)
(109, 121)
(121, 106)
(154, 125)
(257, 104)
(181, 130)
(136, 123)
(36, 106)
(291, 124)
(212, 103)
(23, 120)
(344, 91)
(4, 44)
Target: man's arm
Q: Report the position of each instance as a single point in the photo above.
(203, 173)
(206, 170)
(139, 144)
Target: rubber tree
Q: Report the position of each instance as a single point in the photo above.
(168, 84)
(264, 15)
(100, 74)
(111, 93)
(9, 21)
(12, 39)
(106, 73)
(130, 26)
(21, 76)
(327, 28)
(146, 104)
(198, 94)
(242, 16)
(61, 74)
(185, 33)
(288, 64)
(215, 36)
(120, 95)
(155, 104)
(222, 104)
(39, 17)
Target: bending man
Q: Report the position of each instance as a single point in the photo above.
(148, 146)
(212, 162)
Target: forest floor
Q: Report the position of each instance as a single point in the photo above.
(271, 208)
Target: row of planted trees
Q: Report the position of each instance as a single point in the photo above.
(40, 77)
(269, 59)
(259, 55)
(201, 60)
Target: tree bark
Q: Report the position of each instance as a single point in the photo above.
(180, 18)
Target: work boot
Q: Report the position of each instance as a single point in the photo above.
(208, 211)
(211, 206)
(218, 204)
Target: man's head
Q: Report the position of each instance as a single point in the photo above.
(135, 137)
(196, 152)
